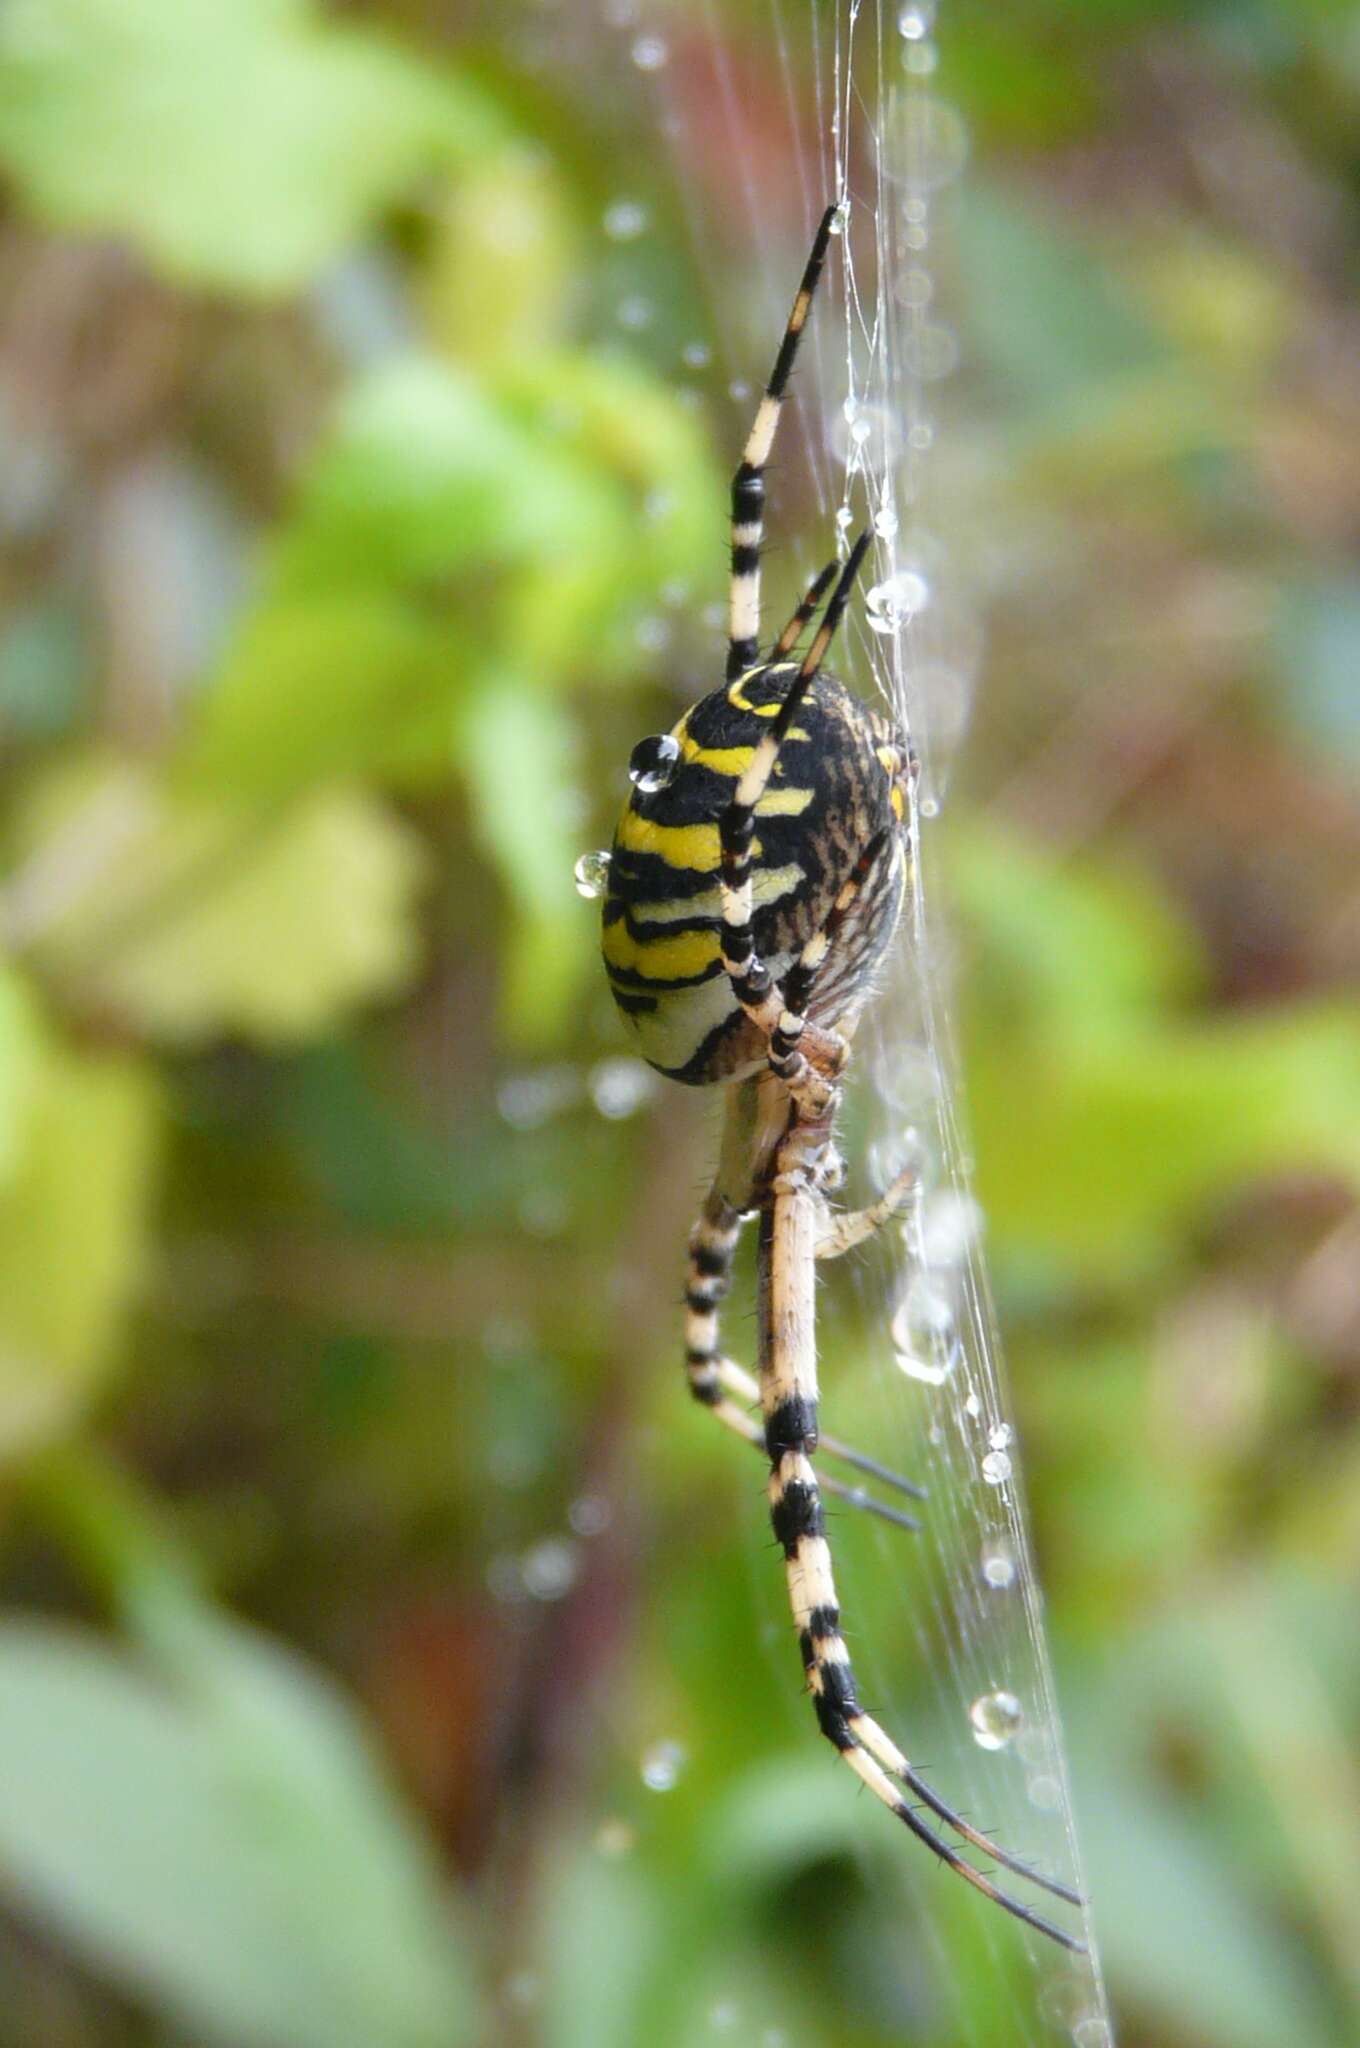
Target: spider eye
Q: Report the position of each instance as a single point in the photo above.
(653, 762)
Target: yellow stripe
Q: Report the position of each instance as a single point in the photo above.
(686, 954)
(784, 803)
(693, 847)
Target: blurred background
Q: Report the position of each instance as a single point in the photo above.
(387, 1655)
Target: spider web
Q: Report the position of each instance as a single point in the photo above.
(950, 1643)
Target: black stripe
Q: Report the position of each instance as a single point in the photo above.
(736, 829)
(835, 1703)
(823, 1623)
(797, 1513)
(748, 495)
(707, 1393)
(707, 1259)
(738, 944)
(791, 1427)
(741, 654)
(745, 557)
(754, 985)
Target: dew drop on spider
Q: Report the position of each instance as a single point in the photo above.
(653, 762)
(998, 1565)
(996, 1718)
(999, 1437)
(650, 52)
(924, 1334)
(996, 1468)
(591, 874)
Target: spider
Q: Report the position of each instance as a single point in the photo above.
(755, 881)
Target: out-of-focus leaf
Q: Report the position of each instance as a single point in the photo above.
(1242, 1684)
(496, 280)
(1317, 660)
(447, 530)
(1104, 1113)
(240, 145)
(72, 1215)
(517, 750)
(19, 1057)
(222, 1843)
(215, 918)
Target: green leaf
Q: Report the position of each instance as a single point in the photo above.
(240, 146)
(222, 1843)
(518, 750)
(72, 1218)
(209, 917)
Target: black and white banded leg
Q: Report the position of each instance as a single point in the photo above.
(748, 484)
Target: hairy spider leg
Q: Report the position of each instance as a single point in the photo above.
(788, 1386)
(748, 484)
(727, 1391)
(752, 983)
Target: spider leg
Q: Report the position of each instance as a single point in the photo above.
(729, 1393)
(752, 983)
(788, 1386)
(748, 484)
(840, 1234)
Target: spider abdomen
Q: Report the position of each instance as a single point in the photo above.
(837, 790)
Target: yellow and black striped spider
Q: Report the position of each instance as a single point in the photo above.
(755, 881)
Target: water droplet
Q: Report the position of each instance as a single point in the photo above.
(921, 435)
(916, 235)
(845, 519)
(890, 605)
(870, 430)
(929, 807)
(662, 1765)
(619, 1086)
(592, 878)
(696, 355)
(614, 1838)
(590, 1514)
(739, 389)
(625, 220)
(924, 1334)
(521, 1990)
(930, 146)
(916, 20)
(930, 353)
(996, 1468)
(998, 1565)
(527, 1100)
(1046, 1794)
(658, 505)
(549, 1569)
(914, 288)
(951, 1225)
(840, 217)
(999, 1437)
(635, 313)
(973, 1405)
(1091, 2032)
(650, 52)
(885, 522)
(675, 592)
(774, 2037)
(725, 2016)
(653, 762)
(996, 1718)
(544, 1211)
(652, 633)
(621, 13)
(920, 59)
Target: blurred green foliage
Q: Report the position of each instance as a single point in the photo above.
(360, 502)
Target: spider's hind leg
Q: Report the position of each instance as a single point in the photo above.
(788, 1388)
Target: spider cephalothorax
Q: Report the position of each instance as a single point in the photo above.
(755, 881)
(837, 789)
